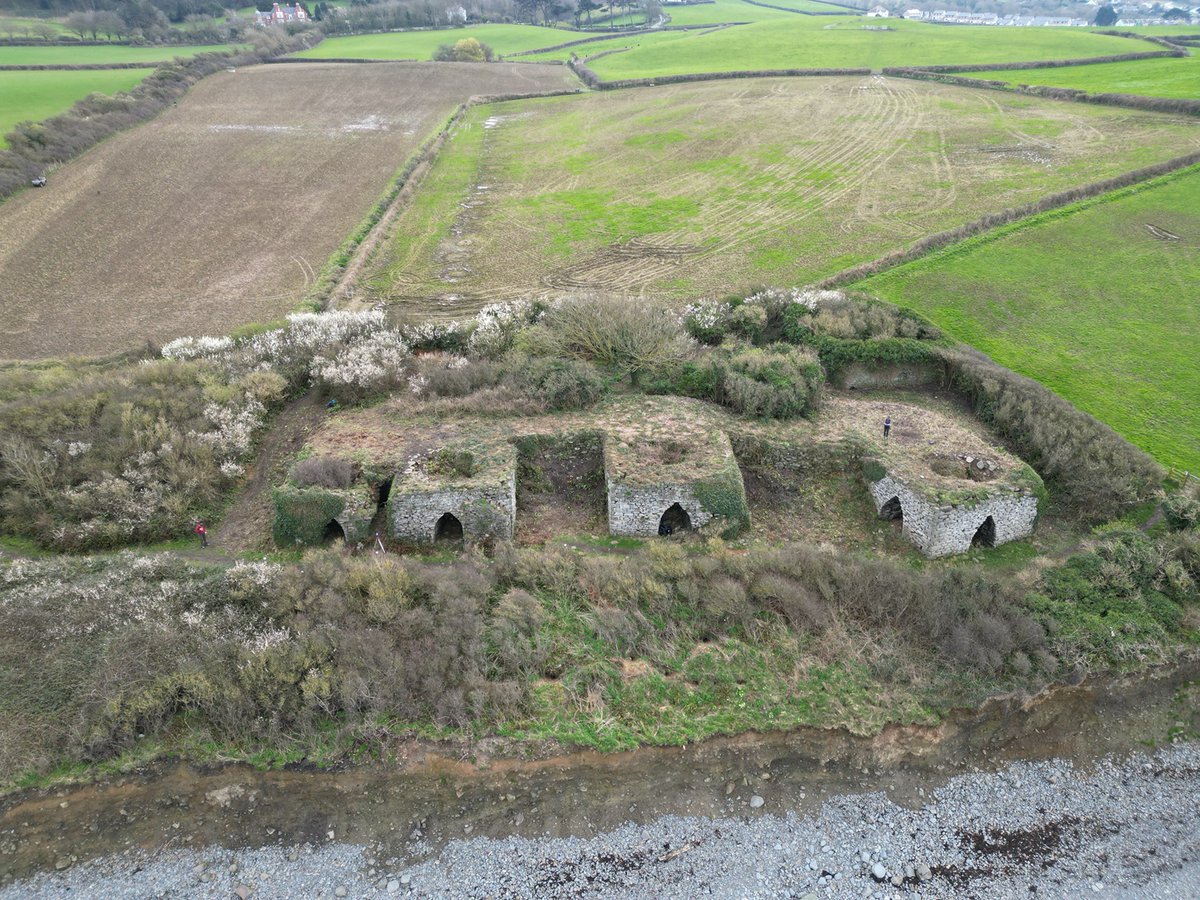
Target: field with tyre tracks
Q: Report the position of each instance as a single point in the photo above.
(706, 188)
(220, 211)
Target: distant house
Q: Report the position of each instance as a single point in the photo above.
(877, 12)
(914, 14)
(280, 15)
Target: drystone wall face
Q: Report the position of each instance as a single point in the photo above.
(636, 510)
(859, 376)
(413, 514)
(942, 530)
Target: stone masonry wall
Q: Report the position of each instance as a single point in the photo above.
(941, 530)
(413, 514)
(635, 510)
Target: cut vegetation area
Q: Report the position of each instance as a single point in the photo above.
(66, 55)
(34, 96)
(1098, 303)
(223, 209)
(707, 188)
(1172, 78)
(808, 42)
(421, 44)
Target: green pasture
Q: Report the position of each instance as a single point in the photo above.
(1097, 302)
(803, 42)
(1171, 78)
(421, 44)
(33, 96)
(725, 11)
(66, 55)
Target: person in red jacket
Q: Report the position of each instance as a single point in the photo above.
(203, 532)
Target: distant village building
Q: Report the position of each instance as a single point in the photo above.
(877, 12)
(914, 14)
(280, 15)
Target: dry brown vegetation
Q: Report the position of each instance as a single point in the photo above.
(222, 210)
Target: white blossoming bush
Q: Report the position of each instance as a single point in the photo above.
(205, 347)
(367, 365)
(706, 320)
(496, 326)
(436, 335)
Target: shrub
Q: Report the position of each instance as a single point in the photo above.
(466, 50)
(302, 515)
(323, 471)
(628, 335)
(557, 384)
(1181, 512)
(780, 382)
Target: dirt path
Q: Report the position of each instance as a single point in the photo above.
(247, 525)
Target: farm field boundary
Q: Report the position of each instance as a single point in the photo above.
(706, 188)
(61, 138)
(1129, 101)
(82, 67)
(227, 233)
(1093, 300)
(335, 282)
(998, 220)
(806, 12)
(591, 79)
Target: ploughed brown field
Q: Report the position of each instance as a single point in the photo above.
(222, 210)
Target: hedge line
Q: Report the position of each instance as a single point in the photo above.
(283, 60)
(81, 67)
(1036, 64)
(1176, 105)
(593, 80)
(799, 12)
(995, 220)
(406, 179)
(34, 147)
(609, 35)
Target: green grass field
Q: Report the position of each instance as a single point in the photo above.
(33, 96)
(712, 187)
(1097, 302)
(421, 44)
(819, 41)
(626, 42)
(726, 11)
(66, 55)
(1172, 78)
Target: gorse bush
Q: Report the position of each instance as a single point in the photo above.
(779, 383)
(1181, 512)
(131, 453)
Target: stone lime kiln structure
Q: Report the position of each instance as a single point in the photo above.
(943, 521)
(456, 494)
(660, 486)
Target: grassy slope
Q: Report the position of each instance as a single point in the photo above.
(33, 96)
(9, 23)
(1090, 303)
(814, 42)
(421, 44)
(756, 175)
(1175, 78)
(63, 55)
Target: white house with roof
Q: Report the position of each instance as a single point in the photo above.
(280, 15)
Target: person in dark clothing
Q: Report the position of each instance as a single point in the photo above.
(887, 427)
(203, 532)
